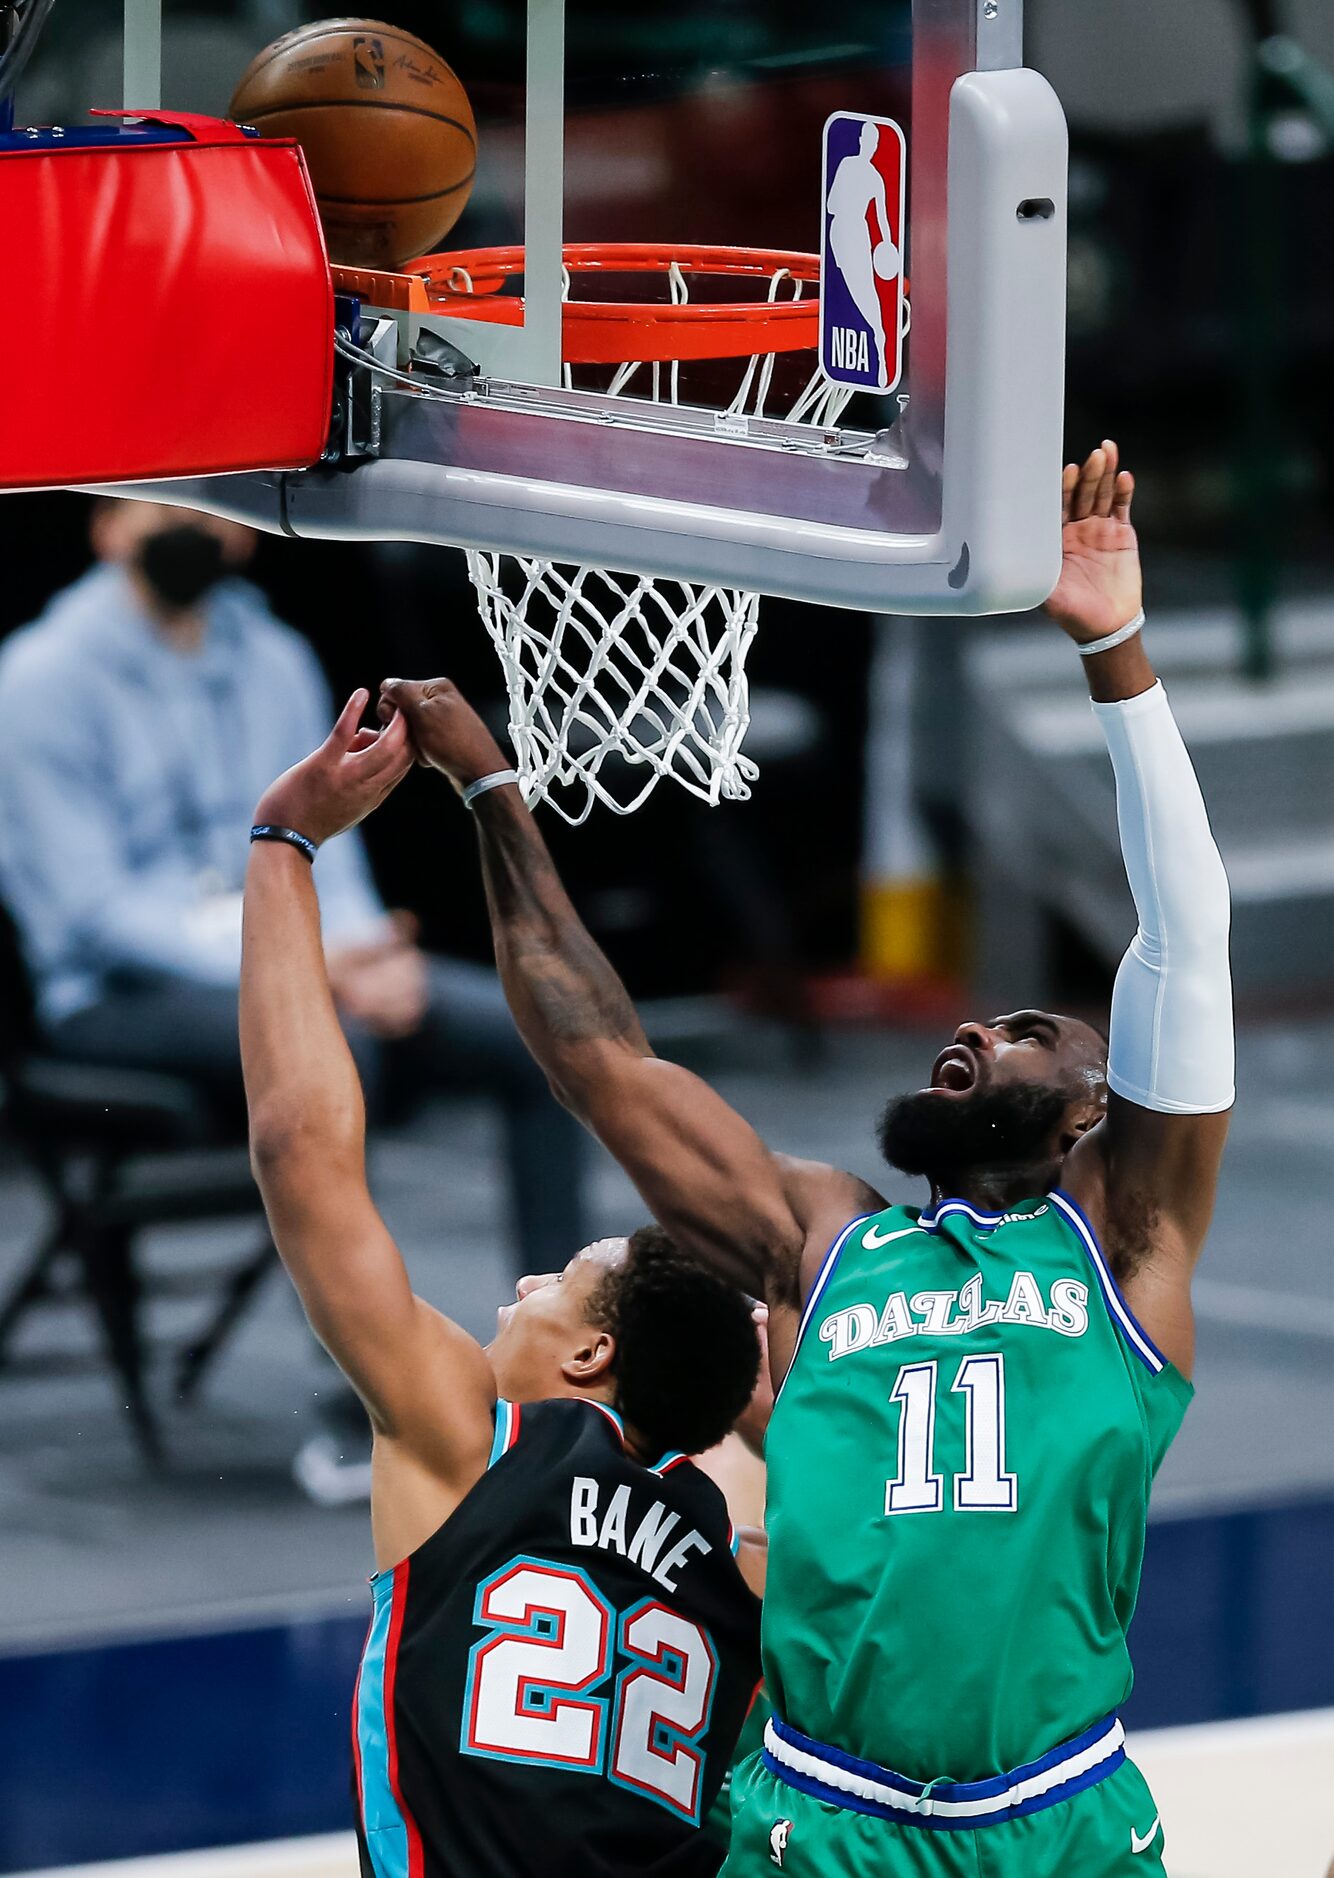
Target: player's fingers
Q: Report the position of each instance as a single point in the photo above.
(1086, 489)
(380, 764)
(398, 739)
(396, 697)
(345, 728)
(1069, 478)
(363, 740)
(390, 750)
(400, 693)
(1107, 481)
(1125, 495)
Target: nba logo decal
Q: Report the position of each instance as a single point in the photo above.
(368, 55)
(861, 254)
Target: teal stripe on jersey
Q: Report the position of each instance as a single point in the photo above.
(504, 1423)
(385, 1828)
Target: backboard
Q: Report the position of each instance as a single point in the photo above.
(699, 125)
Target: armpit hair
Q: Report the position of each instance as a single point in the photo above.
(1131, 1231)
(784, 1280)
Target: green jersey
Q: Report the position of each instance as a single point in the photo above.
(718, 1821)
(959, 1470)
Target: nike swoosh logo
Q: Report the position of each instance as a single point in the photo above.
(873, 1240)
(1142, 1845)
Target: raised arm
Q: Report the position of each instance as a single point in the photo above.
(426, 1384)
(1149, 1174)
(701, 1168)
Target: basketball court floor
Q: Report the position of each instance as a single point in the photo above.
(1203, 1778)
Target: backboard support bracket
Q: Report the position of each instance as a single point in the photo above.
(142, 55)
(531, 351)
(1000, 35)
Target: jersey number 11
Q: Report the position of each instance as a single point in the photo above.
(984, 1486)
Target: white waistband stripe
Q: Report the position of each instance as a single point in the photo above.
(859, 1787)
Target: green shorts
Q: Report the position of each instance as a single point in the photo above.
(1110, 1830)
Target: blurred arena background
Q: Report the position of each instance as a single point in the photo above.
(933, 819)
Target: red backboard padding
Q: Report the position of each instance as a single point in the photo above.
(170, 311)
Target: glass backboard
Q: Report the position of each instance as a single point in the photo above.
(704, 126)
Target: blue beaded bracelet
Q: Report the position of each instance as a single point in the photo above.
(269, 831)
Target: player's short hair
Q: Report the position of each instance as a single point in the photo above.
(687, 1351)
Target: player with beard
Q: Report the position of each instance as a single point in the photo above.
(975, 1397)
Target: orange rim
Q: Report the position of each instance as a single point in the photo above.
(467, 283)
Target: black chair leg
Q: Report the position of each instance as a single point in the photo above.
(113, 1285)
(33, 1285)
(197, 1357)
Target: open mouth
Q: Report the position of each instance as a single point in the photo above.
(954, 1071)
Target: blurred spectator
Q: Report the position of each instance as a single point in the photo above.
(145, 711)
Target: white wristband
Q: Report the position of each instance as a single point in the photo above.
(496, 780)
(1118, 638)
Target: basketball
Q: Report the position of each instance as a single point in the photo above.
(885, 260)
(386, 128)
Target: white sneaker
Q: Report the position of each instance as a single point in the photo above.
(329, 1476)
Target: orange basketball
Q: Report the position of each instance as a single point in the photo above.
(386, 128)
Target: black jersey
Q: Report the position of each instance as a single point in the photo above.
(554, 1682)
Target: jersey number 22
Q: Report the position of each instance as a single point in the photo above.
(531, 1683)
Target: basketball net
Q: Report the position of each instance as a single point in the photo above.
(618, 680)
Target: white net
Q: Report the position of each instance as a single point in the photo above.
(601, 665)
(617, 680)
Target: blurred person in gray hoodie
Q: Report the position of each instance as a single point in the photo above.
(145, 711)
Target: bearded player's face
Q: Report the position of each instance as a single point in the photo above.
(547, 1331)
(1015, 1090)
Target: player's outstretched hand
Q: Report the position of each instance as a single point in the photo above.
(338, 785)
(1101, 586)
(446, 733)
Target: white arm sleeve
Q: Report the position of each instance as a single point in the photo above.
(1171, 1043)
